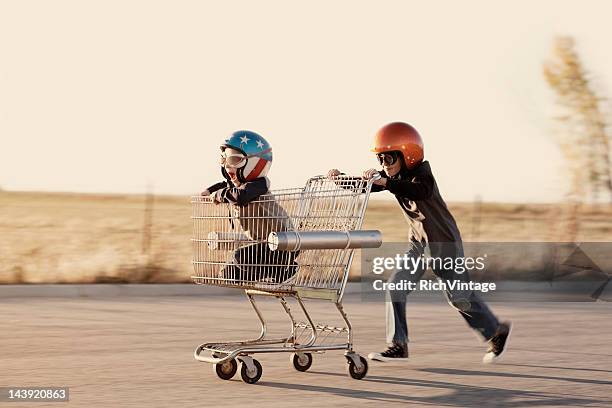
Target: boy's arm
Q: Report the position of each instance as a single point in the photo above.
(375, 187)
(419, 188)
(217, 186)
(242, 196)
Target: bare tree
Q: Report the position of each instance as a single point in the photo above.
(584, 142)
(582, 134)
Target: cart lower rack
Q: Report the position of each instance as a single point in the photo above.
(289, 244)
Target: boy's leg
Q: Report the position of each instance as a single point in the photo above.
(480, 318)
(245, 267)
(260, 262)
(267, 264)
(474, 310)
(471, 307)
(395, 309)
(232, 272)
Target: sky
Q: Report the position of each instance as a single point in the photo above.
(123, 96)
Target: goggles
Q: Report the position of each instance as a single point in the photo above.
(233, 160)
(387, 158)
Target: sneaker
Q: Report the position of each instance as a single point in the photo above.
(497, 343)
(394, 352)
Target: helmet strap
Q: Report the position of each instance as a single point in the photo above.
(240, 174)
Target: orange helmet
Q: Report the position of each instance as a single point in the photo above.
(400, 136)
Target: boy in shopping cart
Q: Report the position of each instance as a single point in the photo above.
(246, 158)
(399, 149)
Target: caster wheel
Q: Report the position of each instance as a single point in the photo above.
(226, 370)
(301, 361)
(251, 377)
(354, 372)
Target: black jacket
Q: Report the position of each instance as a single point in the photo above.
(242, 195)
(417, 193)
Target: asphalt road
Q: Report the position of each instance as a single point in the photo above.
(138, 352)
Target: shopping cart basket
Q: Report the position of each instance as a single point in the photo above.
(293, 243)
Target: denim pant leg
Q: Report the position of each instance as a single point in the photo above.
(469, 305)
(395, 304)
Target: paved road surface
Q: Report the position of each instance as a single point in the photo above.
(137, 352)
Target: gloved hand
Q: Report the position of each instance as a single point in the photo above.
(375, 175)
(217, 197)
(333, 173)
(371, 174)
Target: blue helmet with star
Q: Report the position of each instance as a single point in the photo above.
(257, 151)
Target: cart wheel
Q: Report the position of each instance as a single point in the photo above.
(301, 361)
(354, 372)
(226, 371)
(251, 378)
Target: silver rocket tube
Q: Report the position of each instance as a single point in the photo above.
(296, 241)
(224, 240)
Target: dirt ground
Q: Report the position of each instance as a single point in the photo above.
(138, 352)
(51, 237)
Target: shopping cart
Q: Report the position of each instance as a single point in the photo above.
(293, 243)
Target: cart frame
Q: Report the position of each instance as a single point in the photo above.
(305, 336)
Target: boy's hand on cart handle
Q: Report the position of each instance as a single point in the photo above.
(205, 193)
(370, 173)
(375, 175)
(216, 197)
(333, 173)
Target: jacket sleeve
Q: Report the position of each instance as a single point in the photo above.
(419, 188)
(244, 195)
(217, 186)
(375, 187)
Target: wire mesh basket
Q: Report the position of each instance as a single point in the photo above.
(231, 243)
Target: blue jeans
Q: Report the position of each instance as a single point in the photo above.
(469, 305)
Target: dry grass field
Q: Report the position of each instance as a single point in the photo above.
(53, 237)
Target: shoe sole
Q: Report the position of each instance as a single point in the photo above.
(379, 358)
(495, 359)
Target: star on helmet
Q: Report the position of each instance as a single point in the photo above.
(260, 144)
(244, 139)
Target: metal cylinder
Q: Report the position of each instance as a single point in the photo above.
(226, 240)
(296, 241)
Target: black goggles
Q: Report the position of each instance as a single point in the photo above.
(387, 158)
